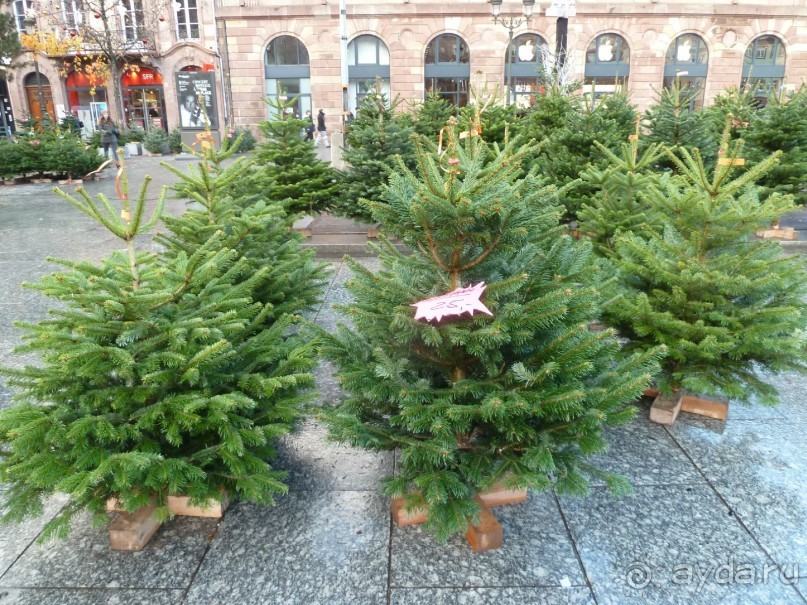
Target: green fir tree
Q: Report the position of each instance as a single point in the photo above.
(287, 166)
(257, 228)
(674, 122)
(735, 107)
(158, 376)
(782, 126)
(619, 202)
(521, 396)
(432, 115)
(376, 136)
(728, 308)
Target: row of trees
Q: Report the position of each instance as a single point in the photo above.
(174, 371)
(566, 127)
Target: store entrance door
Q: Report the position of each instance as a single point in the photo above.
(143, 100)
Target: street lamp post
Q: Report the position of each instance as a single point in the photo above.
(511, 23)
(30, 28)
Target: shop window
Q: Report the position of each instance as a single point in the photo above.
(368, 63)
(687, 63)
(764, 68)
(448, 69)
(288, 74)
(607, 66)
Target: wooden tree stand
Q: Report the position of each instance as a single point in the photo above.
(665, 408)
(132, 531)
(777, 232)
(486, 534)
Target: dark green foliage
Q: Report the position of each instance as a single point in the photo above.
(9, 44)
(375, 137)
(673, 123)
(727, 307)
(782, 126)
(67, 156)
(246, 140)
(257, 227)
(175, 140)
(569, 149)
(496, 122)
(734, 107)
(521, 396)
(156, 141)
(432, 115)
(550, 113)
(160, 375)
(620, 189)
(287, 167)
(10, 165)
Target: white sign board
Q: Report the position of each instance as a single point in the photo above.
(562, 8)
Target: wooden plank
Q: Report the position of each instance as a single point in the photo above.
(499, 495)
(651, 392)
(132, 531)
(404, 517)
(487, 534)
(784, 233)
(713, 407)
(178, 505)
(665, 409)
(373, 231)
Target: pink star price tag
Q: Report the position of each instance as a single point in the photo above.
(454, 303)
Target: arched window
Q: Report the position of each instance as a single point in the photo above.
(764, 67)
(367, 61)
(687, 63)
(607, 66)
(38, 93)
(288, 73)
(522, 71)
(448, 69)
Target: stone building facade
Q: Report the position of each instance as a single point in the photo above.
(731, 37)
(327, 60)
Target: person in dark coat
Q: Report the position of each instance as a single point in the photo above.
(109, 135)
(322, 131)
(309, 128)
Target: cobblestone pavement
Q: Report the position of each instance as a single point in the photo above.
(717, 514)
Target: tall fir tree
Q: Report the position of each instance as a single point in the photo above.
(782, 126)
(158, 377)
(735, 107)
(619, 202)
(727, 308)
(376, 136)
(259, 229)
(521, 396)
(432, 115)
(287, 166)
(674, 122)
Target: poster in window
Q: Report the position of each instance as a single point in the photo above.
(196, 95)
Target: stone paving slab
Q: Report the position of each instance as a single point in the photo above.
(492, 596)
(646, 548)
(313, 548)
(52, 596)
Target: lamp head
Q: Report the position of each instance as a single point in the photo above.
(496, 7)
(529, 6)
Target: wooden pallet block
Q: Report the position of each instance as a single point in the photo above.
(651, 392)
(178, 505)
(404, 517)
(665, 409)
(132, 531)
(487, 534)
(784, 233)
(704, 405)
(499, 495)
(374, 231)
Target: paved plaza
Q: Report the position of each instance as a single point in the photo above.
(717, 515)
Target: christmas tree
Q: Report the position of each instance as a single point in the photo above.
(376, 136)
(570, 148)
(432, 115)
(673, 122)
(257, 228)
(519, 393)
(782, 126)
(726, 307)
(288, 168)
(735, 107)
(158, 377)
(620, 189)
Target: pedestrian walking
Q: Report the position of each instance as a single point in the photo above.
(309, 128)
(322, 131)
(109, 135)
